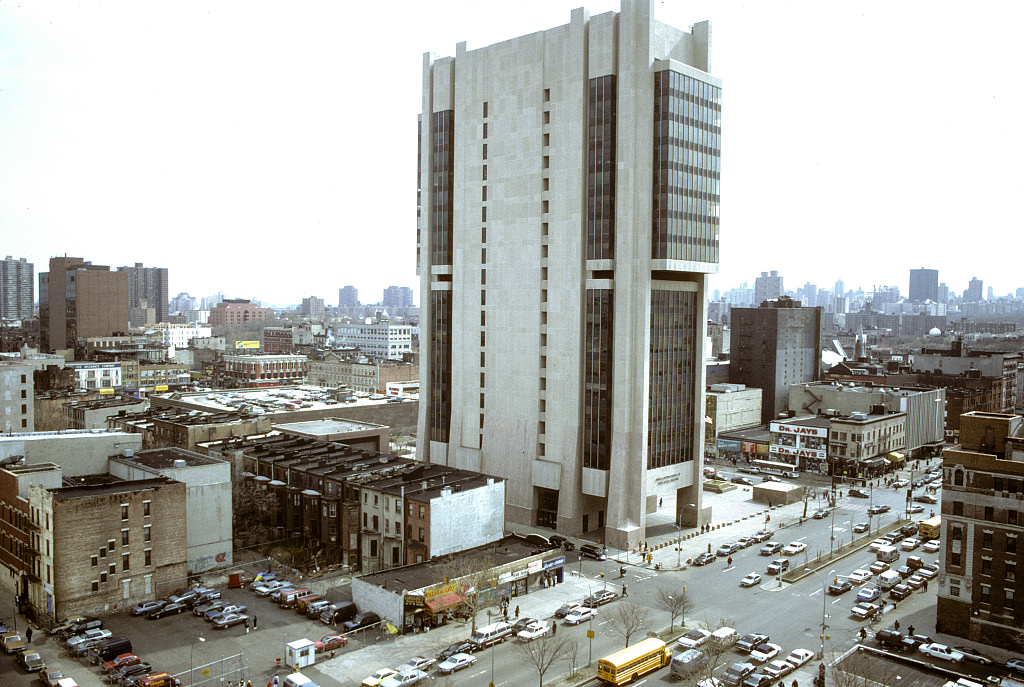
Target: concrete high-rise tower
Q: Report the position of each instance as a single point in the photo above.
(148, 284)
(16, 288)
(77, 300)
(924, 285)
(570, 219)
(767, 287)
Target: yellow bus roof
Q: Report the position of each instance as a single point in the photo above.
(630, 653)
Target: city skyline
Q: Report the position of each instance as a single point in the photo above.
(120, 146)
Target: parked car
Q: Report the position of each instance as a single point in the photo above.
(134, 670)
(927, 573)
(404, 678)
(762, 535)
(915, 508)
(227, 620)
(119, 662)
(200, 610)
(330, 643)
(749, 642)
(378, 677)
(728, 549)
(915, 582)
(942, 651)
(533, 631)
(12, 642)
(878, 567)
(416, 663)
(900, 592)
(778, 566)
(859, 576)
(868, 594)
(914, 641)
(793, 548)
(771, 548)
(461, 647)
(744, 542)
(694, 638)
(745, 481)
(798, 657)
(890, 639)
(861, 527)
(147, 606)
(456, 662)
(580, 615)
(314, 609)
(592, 551)
(910, 544)
(778, 668)
(931, 546)
(859, 493)
(599, 598)
(562, 542)
(216, 613)
(765, 652)
(735, 674)
(1015, 665)
(926, 498)
(50, 677)
(704, 559)
(266, 588)
(865, 610)
(87, 636)
(31, 661)
(878, 509)
(167, 609)
(821, 513)
(900, 483)
(361, 620)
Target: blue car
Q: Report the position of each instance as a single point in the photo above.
(868, 594)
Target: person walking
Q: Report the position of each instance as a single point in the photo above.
(246, 626)
(910, 629)
(554, 628)
(517, 612)
(624, 590)
(896, 624)
(28, 634)
(254, 619)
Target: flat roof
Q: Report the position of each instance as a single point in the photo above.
(328, 426)
(807, 421)
(279, 399)
(160, 458)
(85, 490)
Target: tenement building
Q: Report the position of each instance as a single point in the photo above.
(569, 200)
(981, 588)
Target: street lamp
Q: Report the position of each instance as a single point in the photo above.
(191, 660)
(824, 598)
(679, 545)
(590, 634)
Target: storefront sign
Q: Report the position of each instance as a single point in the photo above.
(415, 600)
(799, 452)
(505, 578)
(442, 590)
(797, 429)
(534, 567)
(728, 445)
(554, 563)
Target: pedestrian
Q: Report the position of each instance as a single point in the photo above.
(910, 629)
(795, 683)
(924, 586)
(248, 683)
(624, 590)
(896, 624)
(254, 619)
(554, 628)
(28, 634)
(661, 502)
(517, 612)
(728, 560)
(246, 626)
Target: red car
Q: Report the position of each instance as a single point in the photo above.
(119, 662)
(330, 643)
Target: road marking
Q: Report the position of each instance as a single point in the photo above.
(816, 591)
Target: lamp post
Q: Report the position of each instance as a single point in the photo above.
(590, 635)
(824, 598)
(191, 660)
(679, 545)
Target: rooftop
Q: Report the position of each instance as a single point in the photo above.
(161, 458)
(85, 489)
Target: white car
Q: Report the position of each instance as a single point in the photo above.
(778, 668)
(798, 657)
(931, 546)
(533, 631)
(874, 546)
(910, 544)
(456, 662)
(751, 580)
(941, 651)
(859, 576)
(793, 548)
(694, 638)
(580, 615)
(763, 653)
(865, 610)
(88, 636)
(269, 587)
(900, 483)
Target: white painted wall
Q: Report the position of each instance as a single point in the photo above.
(461, 520)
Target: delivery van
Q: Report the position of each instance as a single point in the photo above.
(887, 554)
(888, 580)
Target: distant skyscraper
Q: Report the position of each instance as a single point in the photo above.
(767, 287)
(348, 297)
(774, 346)
(397, 297)
(312, 308)
(77, 300)
(924, 285)
(974, 290)
(840, 288)
(943, 293)
(16, 288)
(570, 196)
(991, 294)
(148, 284)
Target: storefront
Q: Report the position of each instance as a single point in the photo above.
(536, 575)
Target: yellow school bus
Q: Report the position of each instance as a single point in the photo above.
(630, 663)
(930, 528)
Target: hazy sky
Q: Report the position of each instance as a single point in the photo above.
(268, 150)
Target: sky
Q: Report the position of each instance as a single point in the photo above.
(268, 149)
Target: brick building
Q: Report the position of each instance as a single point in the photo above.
(264, 370)
(981, 594)
(237, 311)
(79, 299)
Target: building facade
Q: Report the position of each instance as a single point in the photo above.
(768, 287)
(79, 299)
(17, 289)
(774, 346)
(981, 594)
(17, 396)
(570, 217)
(265, 370)
(924, 285)
(179, 335)
(380, 339)
(147, 288)
(237, 311)
(863, 446)
(348, 297)
(312, 308)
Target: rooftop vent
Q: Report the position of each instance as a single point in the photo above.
(180, 463)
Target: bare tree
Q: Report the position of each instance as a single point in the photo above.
(715, 652)
(676, 602)
(627, 619)
(573, 648)
(254, 511)
(543, 653)
(862, 669)
(472, 574)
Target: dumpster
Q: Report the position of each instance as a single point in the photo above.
(236, 579)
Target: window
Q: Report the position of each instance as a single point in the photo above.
(986, 539)
(956, 559)
(376, 523)
(111, 544)
(986, 594)
(103, 578)
(1011, 543)
(95, 585)
(958, 478)
(124, 511)
(145, 508)
(124, 537)
(147, 557)
(954, 589)
(95, 560)
(421, 534)
(112, 569)
(147, 533)
(1011, 570)
(423, 511)
(958, 508)
(125, 565)
(366, 520)
(103, 552)
(986, 566)
(1007, 598)
(989, 513)
(398, 528)
(375, 499)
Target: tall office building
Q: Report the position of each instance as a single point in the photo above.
(312, 308)
(348, 297)
(569, 193)
(767, 287)
(77, 300)
(16, 288)
(924, 285)
(773, 346)
(147, 287)
(973, 292)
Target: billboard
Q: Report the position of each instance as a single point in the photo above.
(247, 344)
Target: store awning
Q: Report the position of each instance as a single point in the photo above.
(439, 603)
(872, 461)
(896, 457)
